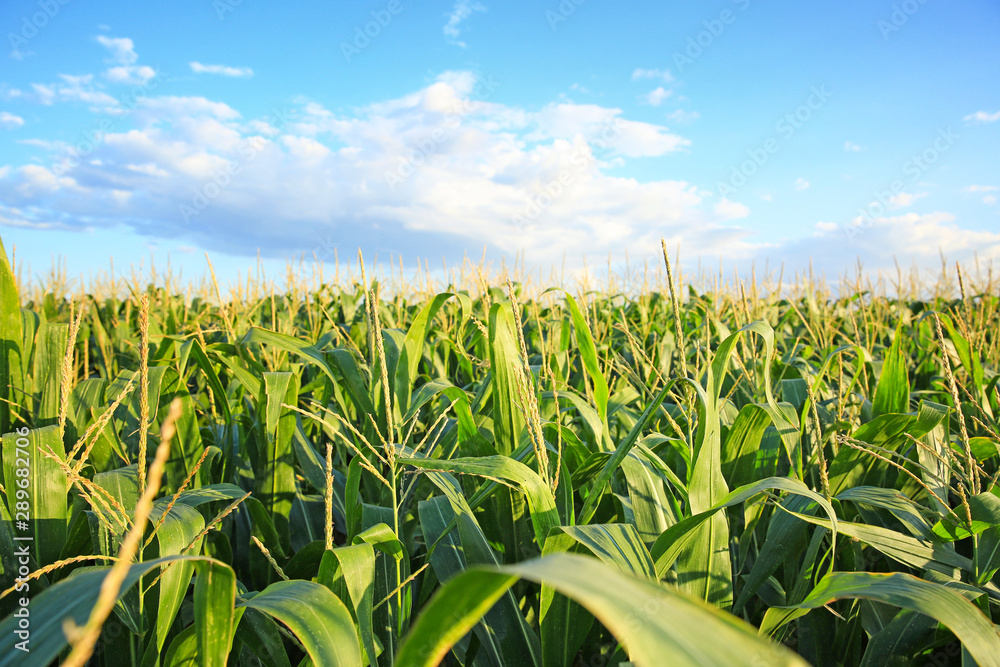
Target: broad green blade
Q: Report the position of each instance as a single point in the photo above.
(544, 515)
(892, 394)
(650, 506)
(448, 560)
(73, 599)
(355, 570)
(973, 629)
(274, 482)
(657, 625)
(910, 551)
(36, 490)
(11, 380)
(50, 350)
(179, 528)
(564, 623)
(316, 617)
(504, 356)
(259, 632)
(677, 538)
(413, 345)
(591, 362)
(214, 597)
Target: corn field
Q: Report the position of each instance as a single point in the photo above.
(493, 473)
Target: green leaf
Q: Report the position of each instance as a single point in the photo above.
(985, 511)
(591, 362)
(962, 617)
(36, 488)
(677, 538)
(179, 528)
(315, 616)
(11, 380)
(650, 506)
(214, 597)
(651, 620)
(355, 571)
(50, 349)
(544, 515)
(73, 599)
(505, 354)
(892, 394)
(413, 344)
(274, 483)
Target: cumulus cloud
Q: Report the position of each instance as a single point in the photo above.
(461, 12)
(130, 75)
(683, 116)
(9, 121)
(71, 89)
(656, 96)
(905, 199)
(851, 147)
(222, 70)
(981, 188)
(430, 173)
(878, 242)
(122, 49)
(662, 74)
(801, 184)
(122, 57)
(982, 117)
(440, 169)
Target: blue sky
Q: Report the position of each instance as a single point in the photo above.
(751, 131)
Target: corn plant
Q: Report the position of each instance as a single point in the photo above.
(493, 473)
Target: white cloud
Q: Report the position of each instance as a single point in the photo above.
(730, 210)
(406, 173)
(222, 70)
(122, 49)
(683, 116)
(905, 199)
(851, 147)
(920, 238)
(989, 200)
(656, 96)
(767, 196)
(982, 117)
(462, 10)
(429, 173)
(130, 75)
(71, 89)
(801, 184)
(980, 188)
(123, 57)
(662, 74)
(9, 121)
(602, 126)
